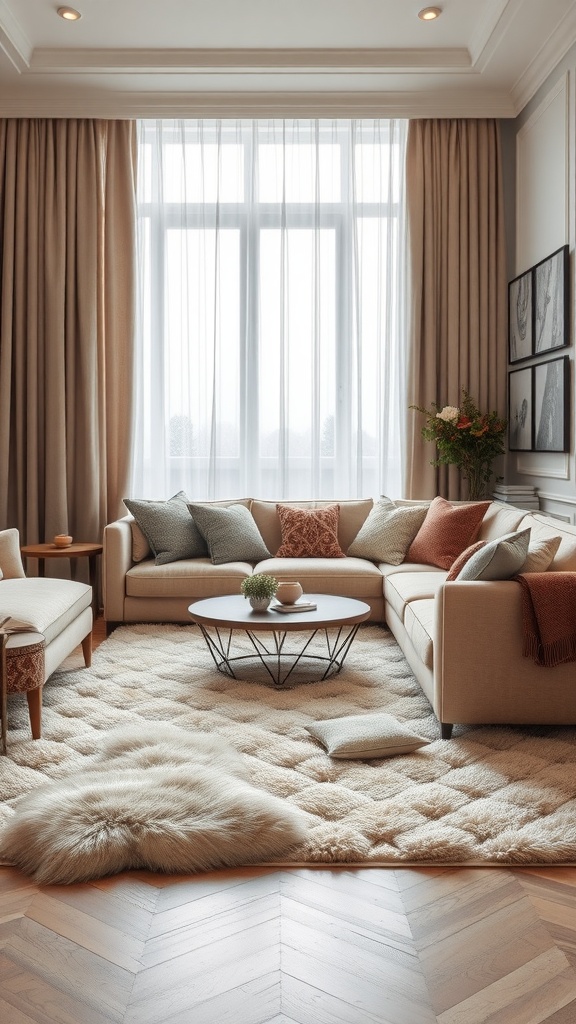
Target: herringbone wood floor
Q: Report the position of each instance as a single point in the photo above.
(312, 946)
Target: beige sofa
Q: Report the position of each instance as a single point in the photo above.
(463, 640)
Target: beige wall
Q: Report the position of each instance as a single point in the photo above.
(543, 219)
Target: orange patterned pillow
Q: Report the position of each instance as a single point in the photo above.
(463, 558)
(446, 531)
(309, 532)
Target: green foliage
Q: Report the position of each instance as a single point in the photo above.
(466, 438)
(259, 585)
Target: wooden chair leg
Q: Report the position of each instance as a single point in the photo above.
(34, 698)
(87, 650)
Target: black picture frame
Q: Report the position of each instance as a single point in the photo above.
(551, 405)
(521, 410)
(520, 317)
(551, 302)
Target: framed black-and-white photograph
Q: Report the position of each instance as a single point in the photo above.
(551, 302)
(520, 409)
(520, 317)
(551, 405)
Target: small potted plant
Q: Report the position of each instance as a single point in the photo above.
(259, 589)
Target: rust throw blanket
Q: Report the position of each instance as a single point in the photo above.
(549, 616)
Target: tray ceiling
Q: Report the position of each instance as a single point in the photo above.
(326, 57)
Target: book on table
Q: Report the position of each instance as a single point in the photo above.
(302, 605)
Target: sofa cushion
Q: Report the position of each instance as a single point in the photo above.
(419, 625)
(193, 578)
(49, 605)
(541, 552)
(388, 532)
(352, 514)
(365, 736)
(542, 528)
(168, 527)
(499, 559)
(499, 520)
(343, 577)
(446, 531)
(10, 557)
(230, 533)
(400, 588)
(309, 532)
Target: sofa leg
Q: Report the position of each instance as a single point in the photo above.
(87, 650)
(34, 698)
(446, 730)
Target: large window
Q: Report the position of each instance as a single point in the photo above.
(271, 332)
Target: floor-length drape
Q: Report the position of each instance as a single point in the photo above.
(67, 297)
(457, 334)
(272, 324)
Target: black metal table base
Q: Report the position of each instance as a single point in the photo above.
(279, 663)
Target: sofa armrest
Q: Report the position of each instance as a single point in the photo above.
(480, 673)
(116, 561)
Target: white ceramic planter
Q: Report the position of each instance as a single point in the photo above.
(260, 604)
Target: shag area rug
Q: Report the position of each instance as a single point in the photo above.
(490, 795)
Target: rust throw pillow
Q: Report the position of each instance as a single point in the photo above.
(463, 558)
(309, 532)
(446, 531)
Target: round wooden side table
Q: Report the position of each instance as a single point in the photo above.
(22, 671)
(73, 551)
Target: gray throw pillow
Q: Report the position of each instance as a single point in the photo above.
(168, 528)
(365, 736)
(387, 532)
(499, 559)
(230, 533)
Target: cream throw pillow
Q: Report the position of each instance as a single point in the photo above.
(541, 554)
(10, 557)
(365, 736)
(387, 532)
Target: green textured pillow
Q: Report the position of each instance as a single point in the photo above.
(230, 533)
(168, 528)
(365, 736)
(387, 532)
(499, 559)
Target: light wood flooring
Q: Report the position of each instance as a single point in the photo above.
(300, 946)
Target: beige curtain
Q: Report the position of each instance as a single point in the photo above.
(458, 302)
(67, 306)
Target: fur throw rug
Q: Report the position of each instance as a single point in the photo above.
(157, 797)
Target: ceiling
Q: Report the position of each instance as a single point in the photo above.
(480, 58)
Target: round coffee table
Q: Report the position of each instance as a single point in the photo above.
(335, 622)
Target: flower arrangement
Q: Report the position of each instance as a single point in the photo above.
(466, 438)
(260, 586)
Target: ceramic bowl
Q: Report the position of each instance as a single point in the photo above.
(62, 540)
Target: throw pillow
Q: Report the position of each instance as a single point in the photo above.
(387, 532)
(541, 553)
(10, 557)
(309, 532)
(365, 736)
(460, 562)
(230, 533)
(140, 545)
(168, 528)
(446, 531)
(498, 559)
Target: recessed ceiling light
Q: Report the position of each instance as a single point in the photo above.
(429, 13)
(69, 14)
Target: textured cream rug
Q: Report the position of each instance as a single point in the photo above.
(490, 795)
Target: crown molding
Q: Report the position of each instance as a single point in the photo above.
(248, 61)
(13, 40)
(483, 41)
(548, 57)
(452, 103)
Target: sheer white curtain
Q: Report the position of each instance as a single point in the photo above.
(271, 341)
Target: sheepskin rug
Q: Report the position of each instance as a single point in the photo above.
(157, 797)
(490, 795)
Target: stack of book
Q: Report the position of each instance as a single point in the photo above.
(301, 605)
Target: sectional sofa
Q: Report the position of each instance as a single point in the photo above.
(462, 639)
